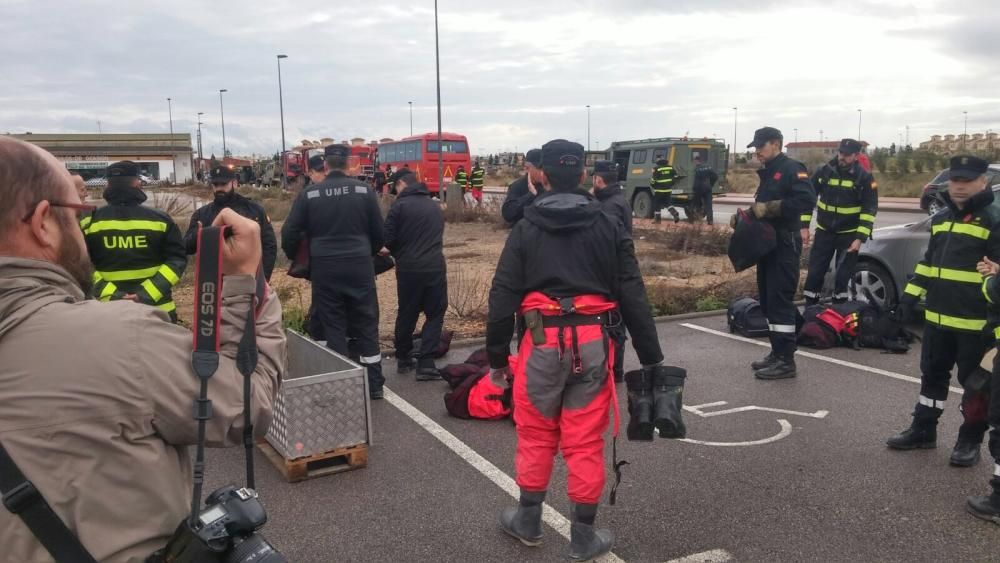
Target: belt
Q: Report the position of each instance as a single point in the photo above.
(574, 319)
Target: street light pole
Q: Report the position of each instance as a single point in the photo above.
(859, 125)
(965, 133)
(222, 114)
(281, 106)
(735, 121)
(796, 135)
(411, 118)
(437, 71)
(821, 135)
(170, 113)
(588, 127)
(201, 156)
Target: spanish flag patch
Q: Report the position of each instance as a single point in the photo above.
(803, 175)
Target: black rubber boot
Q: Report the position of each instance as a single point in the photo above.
(764, 362)
(640, 405)
(986, 507)
(782, 368)
(674, 214)
(917, 436)
(587, 543)
(405, 365)
(525, 521)
(657, 217)
(965, 454)
(668, 392)
(427, 371)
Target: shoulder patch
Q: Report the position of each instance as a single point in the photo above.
(777, 176)
(803, 175)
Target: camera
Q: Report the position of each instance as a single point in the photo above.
(226, 531)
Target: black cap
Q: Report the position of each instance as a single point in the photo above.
(763, 135)
(850, 146)
(561, 153)
(602, 166)
(533, 157)
(317, 163)
(123, 169)
(222, 174)
(404, 174)
(342, 151)
(967, 167)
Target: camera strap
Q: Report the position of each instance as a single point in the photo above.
(20, 497)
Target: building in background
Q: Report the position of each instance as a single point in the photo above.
(160, 156)
(947, 145)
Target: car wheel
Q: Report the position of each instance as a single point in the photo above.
(642, 205)
(871, 278)
(934, 206)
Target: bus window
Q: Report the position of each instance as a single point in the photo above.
(449, 146)
(638, 157)
(659, 153)
(390, 153)
(411, 151)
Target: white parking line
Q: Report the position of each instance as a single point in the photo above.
(819, 357)
(549, 515)
(713, 556)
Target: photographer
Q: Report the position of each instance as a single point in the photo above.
(96, 398)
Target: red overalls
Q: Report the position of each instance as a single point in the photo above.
(562, 391)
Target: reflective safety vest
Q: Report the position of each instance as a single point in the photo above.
(462, 179)
(478, 175)
(135, 250)
(847, 203)
(947, 276)
(663, 179)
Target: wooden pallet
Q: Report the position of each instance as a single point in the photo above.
(317, 465)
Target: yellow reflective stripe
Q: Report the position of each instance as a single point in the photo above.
(841, 183)
(85, 221)
(168, 306)
(126, 225)
(806, 218)
(168, 273)
(996, 333)
(865, 231)
(154, 293)
(913, 289)
(949, 274)
(986, 292)
(955, 322)
(129, 275)
(838, 210)
(867, 217)
(965, 229)
(109, 290)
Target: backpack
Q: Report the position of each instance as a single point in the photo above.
(752, 239)
(473, 395)
(746, 317)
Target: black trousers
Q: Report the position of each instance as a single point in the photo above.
(826, 245)
(941, 350)
(346, 303)
(994, 417)
(420, 292)
(777, 280)
(703, 199)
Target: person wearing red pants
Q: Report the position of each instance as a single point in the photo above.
(570, 270)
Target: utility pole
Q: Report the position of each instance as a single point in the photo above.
(735, 121)
(821, 135)
(796, 135)
(222, 114)
(201, 156)
(965, 134)
(437, 71)
(859, 125)
(588, 127)
(411, 118)
(281, 106)
(170, 114)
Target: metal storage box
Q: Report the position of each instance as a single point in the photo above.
(323, 403)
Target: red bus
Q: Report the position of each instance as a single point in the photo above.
(420, 153)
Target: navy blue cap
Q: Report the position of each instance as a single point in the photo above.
(123, 169)
(534, 158)
(222, 174)
(317, 163)
(850, 146)
(604, 166)
(967, 167)
(765, 135)
(560, 153)
(342, 151)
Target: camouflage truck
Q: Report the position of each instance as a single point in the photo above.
(637, 160)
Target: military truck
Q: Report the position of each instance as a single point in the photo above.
(637, 160)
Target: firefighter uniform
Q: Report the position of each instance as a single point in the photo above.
(988, 506)
(955, 316)
(662, 184)
(786, 194)
(341, 219)
(845, 212)
(476, 181)
(565, 267)
(379, 180)
(245, 207)
(389, 187)
(135, 250)
(704, 179)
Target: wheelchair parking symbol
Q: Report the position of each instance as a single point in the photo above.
(786, 427)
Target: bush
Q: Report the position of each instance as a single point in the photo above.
(690, 239)
(710, 303)
(466, 296)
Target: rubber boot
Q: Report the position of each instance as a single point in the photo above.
(668, 391)
(640, 405)
(426, 370)
(766, 361)
(404, 365)
(674, 214)
(917, 436)
(525, 521)
(587, 543)
(987, 507)
(657, 217)
(965, 454)
(782, 368)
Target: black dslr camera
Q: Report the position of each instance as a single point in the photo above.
(226, 531)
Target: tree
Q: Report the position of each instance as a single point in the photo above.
(902, 164)
(892, 149)
(879, 158)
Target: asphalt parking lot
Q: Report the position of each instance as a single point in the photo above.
(792, 470)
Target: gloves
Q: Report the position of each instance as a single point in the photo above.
(766, 210)
(501, 377)
(733, 220)
(903, 313)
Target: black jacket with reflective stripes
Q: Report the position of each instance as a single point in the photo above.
(568, 246)
(340, 216)
(477, 177)
(846, 201)
(134, 249)
(414, 231)
(663, 179)
(786, 180)
(947, 275)
(245, 207)
(613, 202)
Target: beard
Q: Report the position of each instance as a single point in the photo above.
(73, 260)
(223, 196)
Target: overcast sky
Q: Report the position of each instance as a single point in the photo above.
(513, 74)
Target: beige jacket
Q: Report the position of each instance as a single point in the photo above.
(96, 407)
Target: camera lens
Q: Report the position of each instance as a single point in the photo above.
(254, 548)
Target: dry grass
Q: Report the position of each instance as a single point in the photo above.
(744, 181)
(468, 292)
